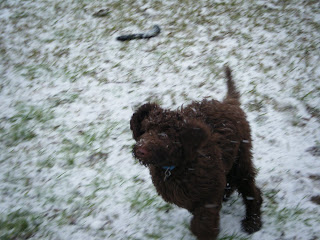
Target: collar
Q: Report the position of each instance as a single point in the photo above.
(167, 173)
(168, 168)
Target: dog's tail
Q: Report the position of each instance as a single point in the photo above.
(232, 91)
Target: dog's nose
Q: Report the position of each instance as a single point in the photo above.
(141, 152)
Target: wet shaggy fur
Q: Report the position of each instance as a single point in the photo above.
(197, 156)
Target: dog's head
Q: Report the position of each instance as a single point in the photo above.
(166, 138)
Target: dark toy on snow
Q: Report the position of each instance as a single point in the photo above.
(152, 33)
(102, 13)
(197, 156)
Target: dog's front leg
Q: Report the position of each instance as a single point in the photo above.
(205, 221)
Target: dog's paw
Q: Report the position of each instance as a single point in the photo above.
(251, 224)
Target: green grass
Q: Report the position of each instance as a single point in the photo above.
(19, 225)
(142, 200)
(17, 134)
(22, 126)
(287, 214)
(63, 98)
(26, 113)
(282, 215)
(87, 141)
(153, 235)
(34, 72)
(233, 237)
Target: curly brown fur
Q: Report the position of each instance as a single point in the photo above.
(197, 156)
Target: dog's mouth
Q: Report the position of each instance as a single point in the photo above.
(150, 157)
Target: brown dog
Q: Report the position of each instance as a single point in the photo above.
(197, 156)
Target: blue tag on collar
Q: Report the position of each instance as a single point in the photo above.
(168, 167)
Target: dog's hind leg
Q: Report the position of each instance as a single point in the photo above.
(253, 200)
(251, 194)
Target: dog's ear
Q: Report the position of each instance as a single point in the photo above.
(138, 116)
(193, 136)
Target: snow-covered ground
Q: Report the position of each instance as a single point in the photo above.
(68, 90)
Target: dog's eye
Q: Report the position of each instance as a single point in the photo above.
(162, 135)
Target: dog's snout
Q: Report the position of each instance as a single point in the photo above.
(141, 152)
